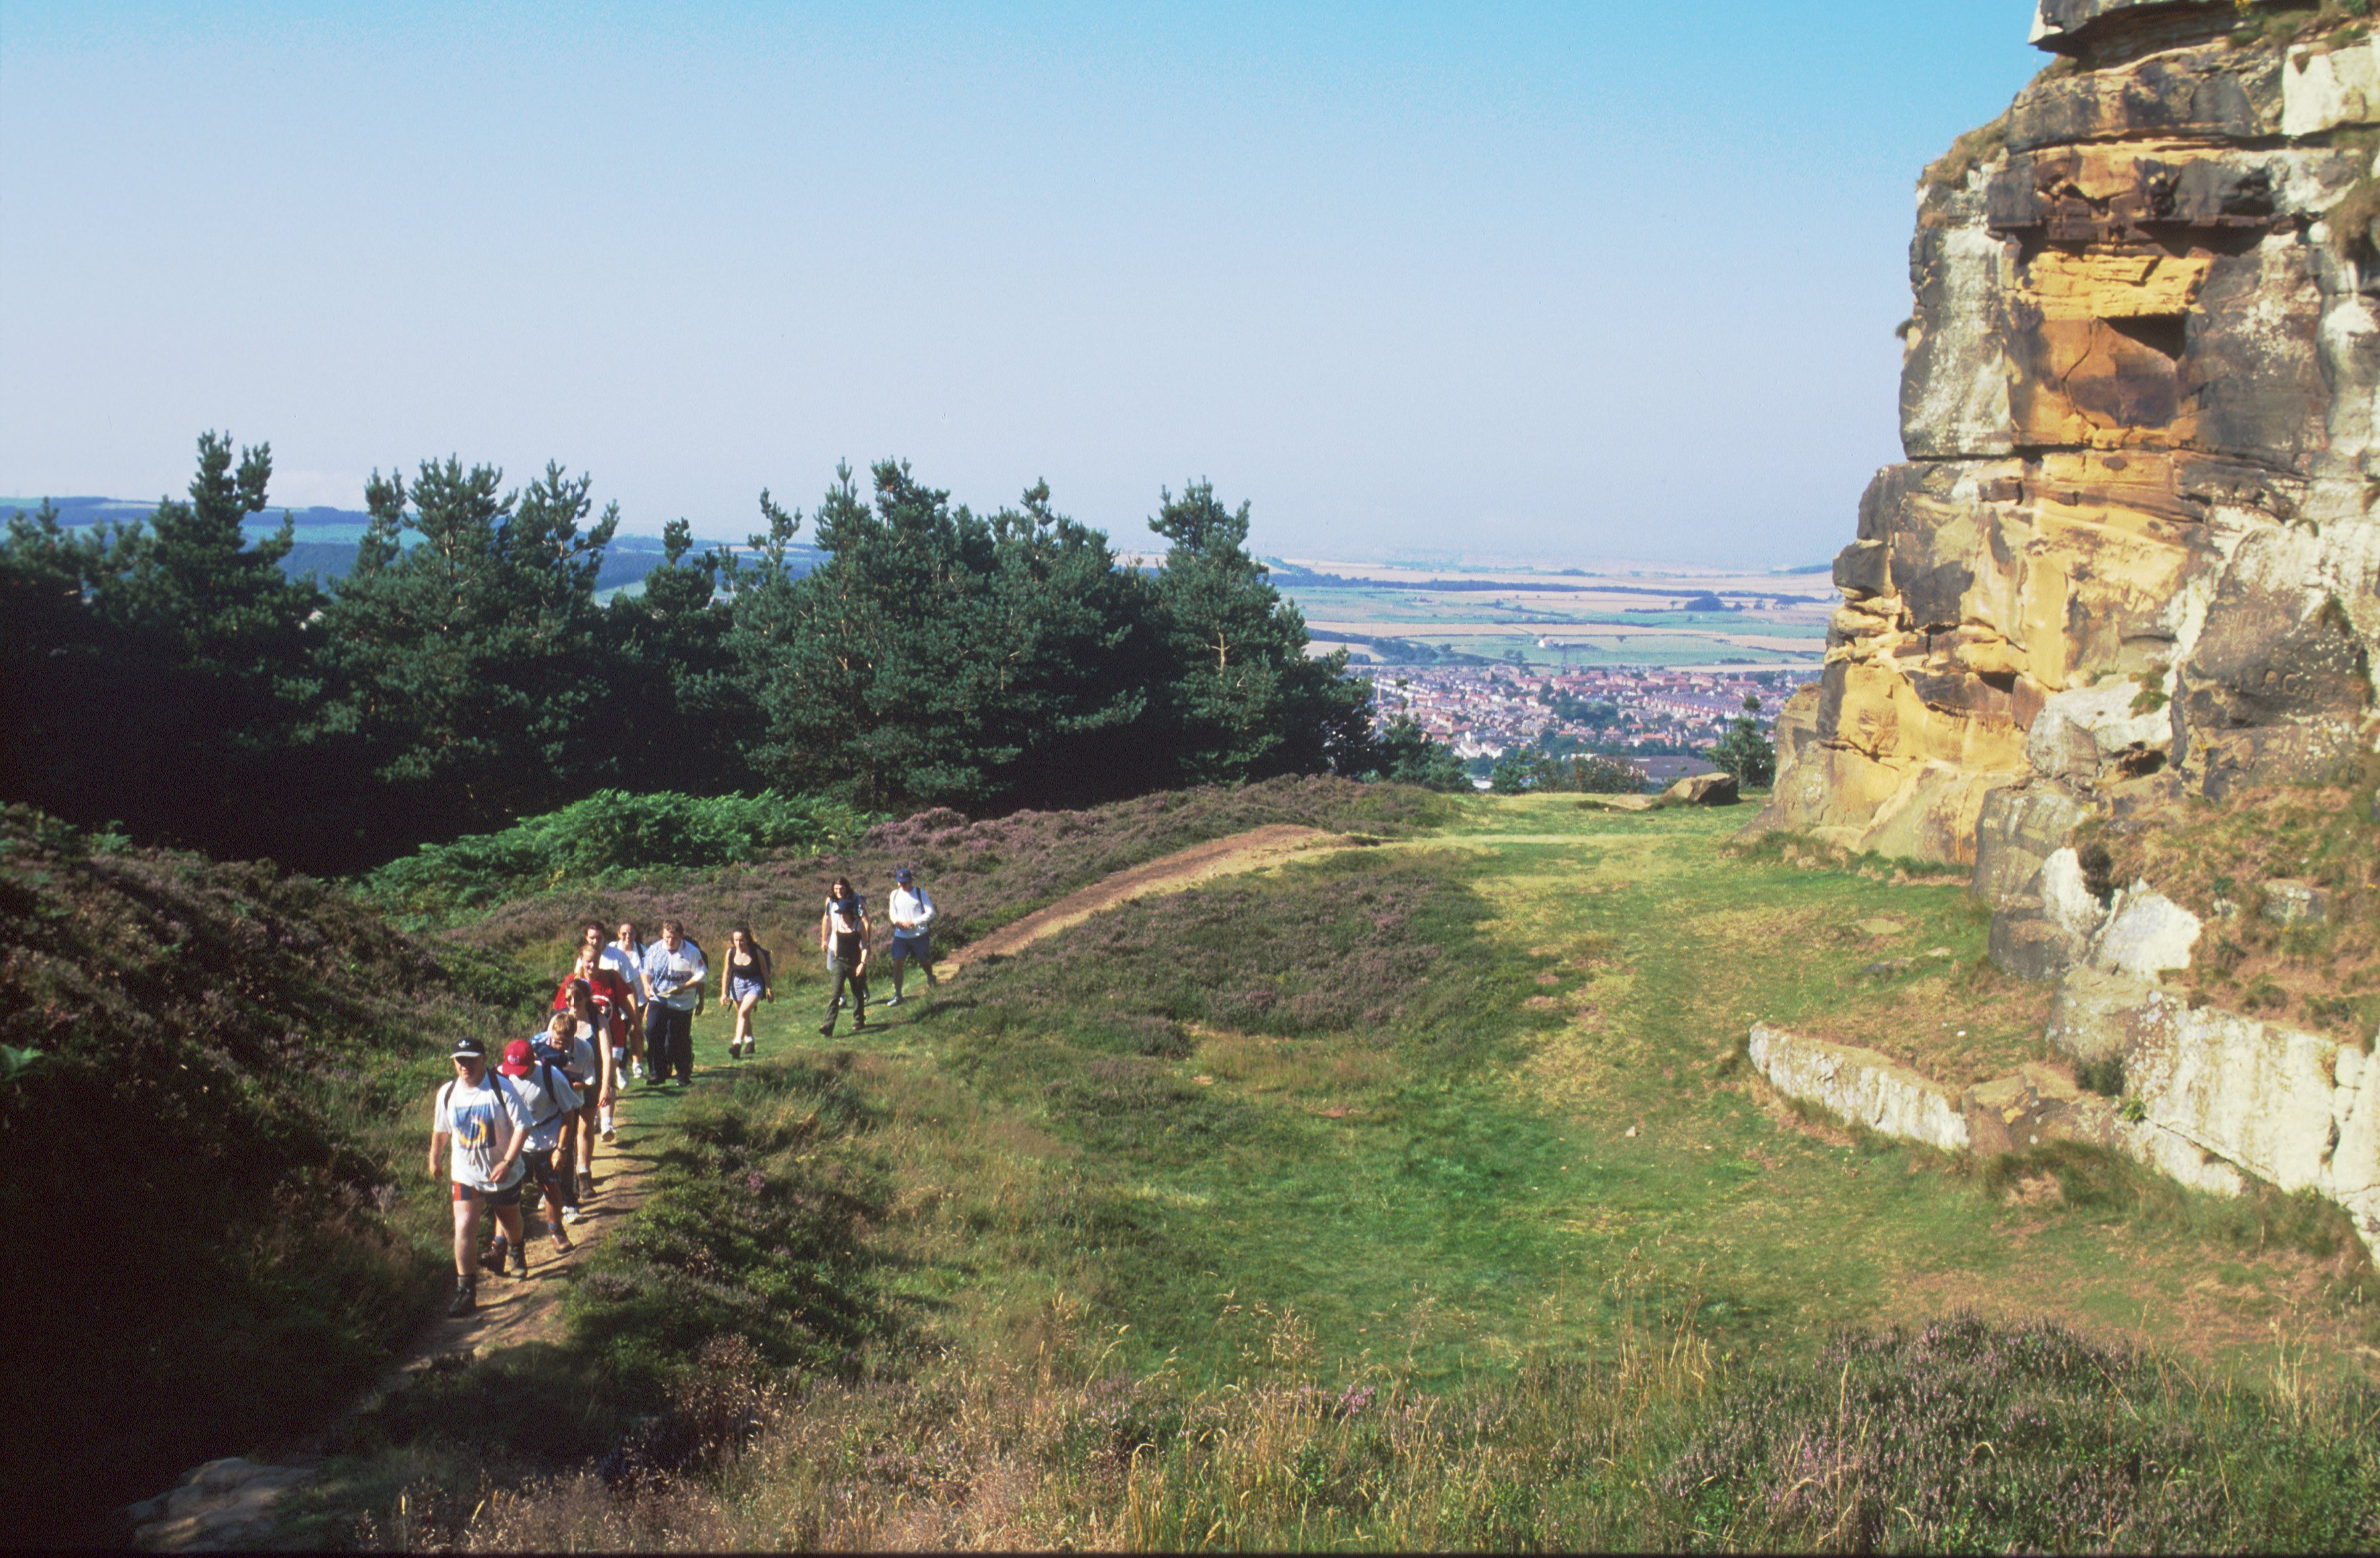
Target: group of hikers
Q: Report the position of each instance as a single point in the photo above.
(530, 1123)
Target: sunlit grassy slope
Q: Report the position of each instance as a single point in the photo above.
(1451, 1097)
(1414, 1194)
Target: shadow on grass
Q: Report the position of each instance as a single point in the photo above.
(745, 1272)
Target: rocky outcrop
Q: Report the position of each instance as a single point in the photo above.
(2293, 1109)
(2132, 545)
(227, 1505)
(1859, 1085)
(2211, 1098)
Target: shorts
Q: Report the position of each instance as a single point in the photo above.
(507, 1197)
(542, 1170)
(740, 989)
(920, 947)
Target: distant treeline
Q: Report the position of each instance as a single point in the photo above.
(170, 679)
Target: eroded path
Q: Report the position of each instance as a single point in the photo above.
(1255, 849)
(230, 1504)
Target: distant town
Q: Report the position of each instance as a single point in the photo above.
(1640, 713)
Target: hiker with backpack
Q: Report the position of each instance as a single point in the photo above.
(627, 953)
(568, 1044)
(551, 1100)
(482, 1121)
(912, 914)
(842, 936)
(613, 1003)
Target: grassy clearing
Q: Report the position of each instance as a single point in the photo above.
(1416, 1196)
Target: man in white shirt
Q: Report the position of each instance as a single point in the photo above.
(912, 914)
(550, 1098)
(487, 1121)
(672, 976)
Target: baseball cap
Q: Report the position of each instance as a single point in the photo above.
(469, 1047)
(903, 876)
(517, 1060)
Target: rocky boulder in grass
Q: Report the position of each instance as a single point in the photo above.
(1703, 789)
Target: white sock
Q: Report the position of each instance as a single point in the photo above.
(607, 1119)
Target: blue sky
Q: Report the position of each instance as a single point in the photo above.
(1589, 282)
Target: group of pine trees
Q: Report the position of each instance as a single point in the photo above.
(169, 678)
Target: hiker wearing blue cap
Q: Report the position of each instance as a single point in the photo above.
(912, 913)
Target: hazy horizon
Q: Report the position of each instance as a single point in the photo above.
(1564, 282)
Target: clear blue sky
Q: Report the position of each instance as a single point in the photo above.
(1597, 281)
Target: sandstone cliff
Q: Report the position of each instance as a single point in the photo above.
(2131, 551)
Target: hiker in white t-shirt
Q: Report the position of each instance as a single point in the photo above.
(911, 910)
(551, 1097)
(487, 1121)
(674, 971)
(627, 953)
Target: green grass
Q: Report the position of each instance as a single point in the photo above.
(1085, 1249)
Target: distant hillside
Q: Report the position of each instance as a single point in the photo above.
(327, 537)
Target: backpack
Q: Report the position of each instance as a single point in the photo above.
(545, 1081)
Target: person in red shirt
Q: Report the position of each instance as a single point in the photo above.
(611, 996)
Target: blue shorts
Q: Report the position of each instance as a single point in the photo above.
(919, 946)
(739, 989)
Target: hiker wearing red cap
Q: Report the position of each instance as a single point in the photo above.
(484, 1116)
(551, 1097)
(568, 1043)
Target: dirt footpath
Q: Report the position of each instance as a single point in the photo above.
(230, 1504)
(1250, 851)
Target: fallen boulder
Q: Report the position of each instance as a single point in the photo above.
(1861, 1085)
(1703, 789)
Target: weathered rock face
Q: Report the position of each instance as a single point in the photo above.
(2295, 1109)
(2132, 544)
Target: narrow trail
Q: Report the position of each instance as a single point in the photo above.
(231, 1503)
(512, 1311)
(1235, 854)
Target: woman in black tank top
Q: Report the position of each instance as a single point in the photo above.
(744, 984)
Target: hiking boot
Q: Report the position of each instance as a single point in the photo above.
(516, 1265)
(586, 1185)
(826, 1029)
(493, 1258)
(895, 1001)
(465, 1301)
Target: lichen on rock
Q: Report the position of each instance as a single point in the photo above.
(2132, 545)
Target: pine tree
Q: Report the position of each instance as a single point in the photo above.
(1744, 751)
(942, 657)
(469, 677)
(180, 678)
(1245, 701)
